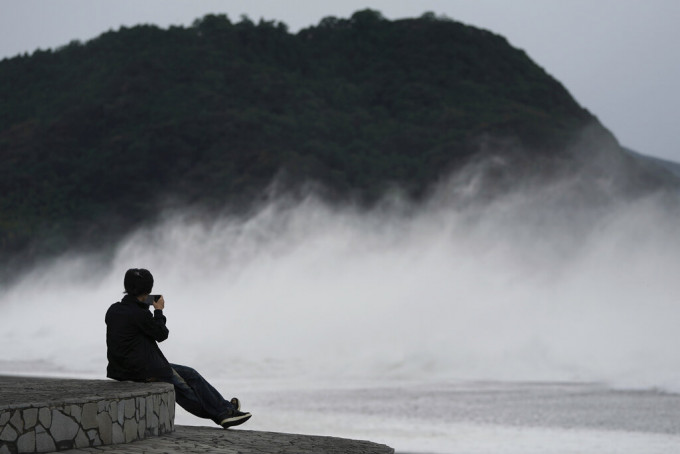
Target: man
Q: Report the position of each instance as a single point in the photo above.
(132, 334)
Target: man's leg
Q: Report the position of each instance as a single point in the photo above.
(185, 395)
(197, 396)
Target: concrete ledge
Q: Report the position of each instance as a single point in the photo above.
(96, 416)
(46, 415)
(201, 440)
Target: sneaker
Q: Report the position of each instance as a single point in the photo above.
(235, 419)
(236, 403)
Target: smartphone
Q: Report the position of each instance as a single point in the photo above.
(152, 299)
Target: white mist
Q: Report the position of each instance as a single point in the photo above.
(519, 288)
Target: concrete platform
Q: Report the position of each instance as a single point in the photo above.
(92, 416)
(187, 439)
(46, 415)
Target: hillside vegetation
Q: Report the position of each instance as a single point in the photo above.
(97, 137)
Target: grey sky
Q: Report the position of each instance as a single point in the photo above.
(618, 58)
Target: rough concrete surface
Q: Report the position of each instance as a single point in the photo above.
(22, 392)
(186, 439)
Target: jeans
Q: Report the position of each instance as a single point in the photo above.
(197, 396)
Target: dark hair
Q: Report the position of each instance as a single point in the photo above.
(138, 281)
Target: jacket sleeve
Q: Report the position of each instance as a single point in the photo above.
(154, 326)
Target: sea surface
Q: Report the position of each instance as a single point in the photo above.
(472, 417)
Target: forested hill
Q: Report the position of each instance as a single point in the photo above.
(96, 137)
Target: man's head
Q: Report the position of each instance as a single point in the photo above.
(138, 281)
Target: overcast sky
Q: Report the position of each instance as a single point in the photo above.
(618, 58)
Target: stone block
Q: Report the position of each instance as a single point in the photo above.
(105, 427)
(121, 412)
(16, 421)
(117, 435)
(4, 449)
(130, 430)
(45, 417)
(4, 417)
(171, 407)
(164, 417)
(30, 417)
(130, 408)
(113, 410)
(43, 442)
(140, 405)
(149, 407)
(81, 440)
(76, 412)
(93, 436)
(141, 428)
(8, 434)
(26, 442)
(89, 416)
(63, 428)
(152, 420)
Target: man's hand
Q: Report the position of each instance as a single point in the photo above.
(160, 304)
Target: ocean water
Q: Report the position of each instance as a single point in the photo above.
(469, 417)
(460, 325)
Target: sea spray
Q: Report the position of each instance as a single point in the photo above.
(519, 287)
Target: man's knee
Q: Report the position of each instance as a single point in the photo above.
(185, 372)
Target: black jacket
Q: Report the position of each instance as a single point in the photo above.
(131, 336)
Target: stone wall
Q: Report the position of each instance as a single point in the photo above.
(114, 413)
